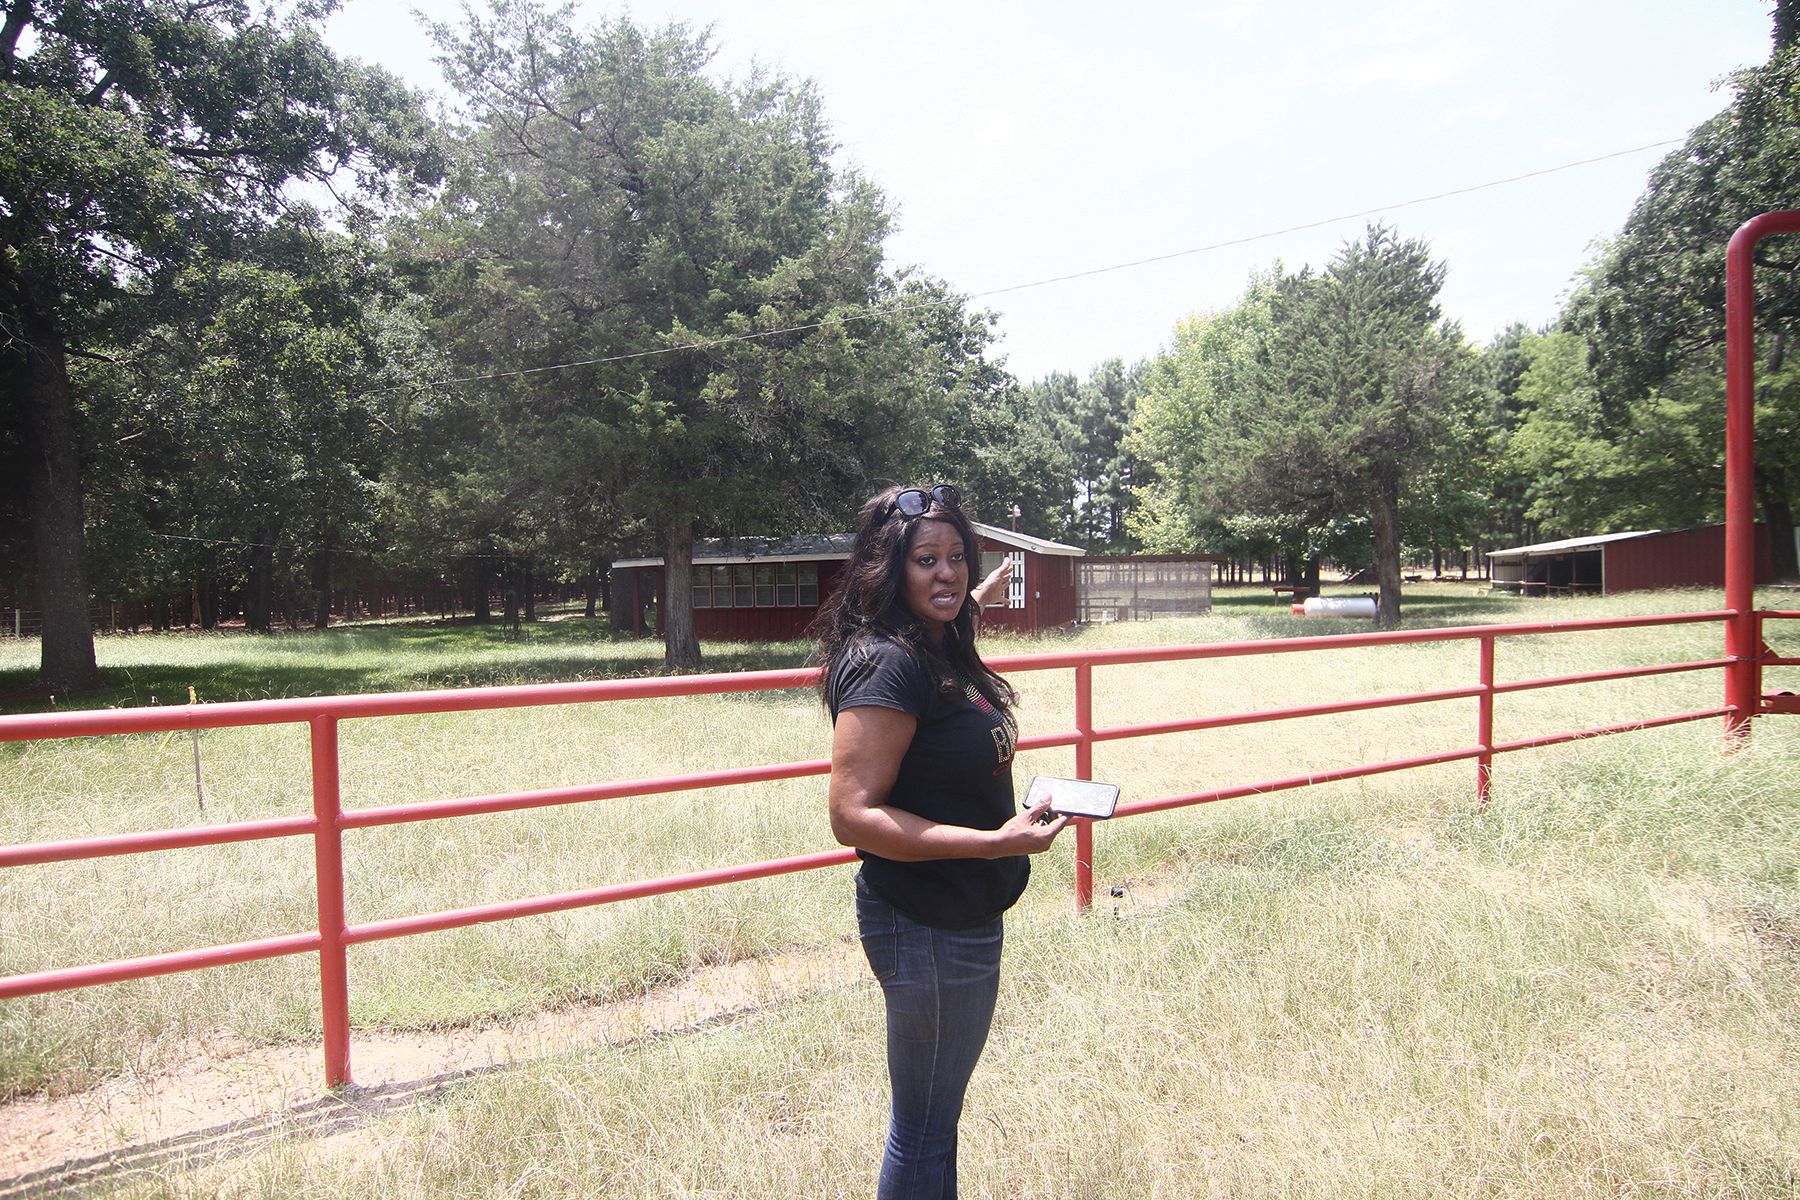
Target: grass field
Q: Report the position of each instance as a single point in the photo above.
(1365, 989)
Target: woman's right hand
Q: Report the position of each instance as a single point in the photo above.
(995, 583)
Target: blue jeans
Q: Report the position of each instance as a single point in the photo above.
(940, 987)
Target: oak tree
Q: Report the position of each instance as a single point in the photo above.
(134, 135)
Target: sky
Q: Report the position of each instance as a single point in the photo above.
(1025, 141)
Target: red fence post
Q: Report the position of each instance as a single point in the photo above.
(328, 858)
(1084, 769)
(1484, 735)
(1743, 677)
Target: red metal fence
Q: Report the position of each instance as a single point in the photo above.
(329, 820)
(1746, 656)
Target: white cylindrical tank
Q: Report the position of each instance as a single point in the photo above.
(1336, 606)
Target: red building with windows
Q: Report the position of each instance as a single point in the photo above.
(745, 589)
(770, 589)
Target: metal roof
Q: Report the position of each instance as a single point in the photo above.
(828, 547)
(1567, 544)
(1024, 541)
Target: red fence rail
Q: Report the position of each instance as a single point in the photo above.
(329, 820)
(1746, 654)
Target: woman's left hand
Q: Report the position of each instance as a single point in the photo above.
(1031, 831)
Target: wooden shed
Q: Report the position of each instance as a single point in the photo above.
(1044, 588)
(745, 589)
(767, 589)
(1624, 562)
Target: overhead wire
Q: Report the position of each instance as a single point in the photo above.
(895, 310)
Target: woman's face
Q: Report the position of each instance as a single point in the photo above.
(937, 573)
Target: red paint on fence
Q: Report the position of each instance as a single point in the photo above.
(329, 822)
(1746, 654)
(1743, 641)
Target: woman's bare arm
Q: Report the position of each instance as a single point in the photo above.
(866, 748)
(994, 583)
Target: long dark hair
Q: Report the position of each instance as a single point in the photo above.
(870, 602)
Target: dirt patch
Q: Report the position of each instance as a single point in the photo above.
(1140, 896)
(230, 1100)
(227, 1100)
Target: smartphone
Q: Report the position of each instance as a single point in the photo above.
(1073, 797)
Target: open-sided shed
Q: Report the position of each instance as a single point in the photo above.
(1624, 562)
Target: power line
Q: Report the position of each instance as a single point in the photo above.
(1037, 283)
(1367, 212)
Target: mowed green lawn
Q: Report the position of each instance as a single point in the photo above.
(1363, 989)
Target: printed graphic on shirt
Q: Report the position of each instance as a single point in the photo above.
(1006, 732)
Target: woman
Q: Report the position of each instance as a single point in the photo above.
(921, 786)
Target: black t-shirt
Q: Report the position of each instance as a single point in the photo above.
(956, 771)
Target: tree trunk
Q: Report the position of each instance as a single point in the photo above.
(681, 645)
(66, 653)
(1772, 491)
(1311, 577)
(209, 602)
(260, 590)
(529, 593)
(479, 592)
(321, 582)
(1384, 515)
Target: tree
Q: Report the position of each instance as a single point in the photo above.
(690, 242)
(1088, 421)
(1361, 402)
(1652, 307)
(1498, 374)
(138, 134)
(995, 443)
(244, 433)
(1106, 469)
(1188, 388)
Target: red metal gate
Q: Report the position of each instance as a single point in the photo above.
(329, 820)
(1746, 655)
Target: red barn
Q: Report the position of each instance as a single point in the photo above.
(768, 589)
(1043, 591)
(745, 589)
(1624, 562)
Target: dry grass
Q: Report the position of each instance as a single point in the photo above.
(1359, 990)
(1588, 991)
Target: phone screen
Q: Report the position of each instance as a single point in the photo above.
(1074, 797)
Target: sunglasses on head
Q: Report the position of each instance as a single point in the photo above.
(914, 501)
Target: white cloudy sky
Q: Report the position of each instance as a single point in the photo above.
(1026, 139)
